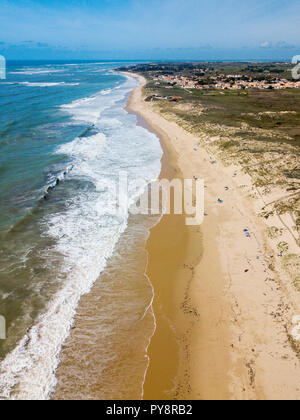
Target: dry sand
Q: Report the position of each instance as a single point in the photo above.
(223, 306)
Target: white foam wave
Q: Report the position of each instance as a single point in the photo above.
(36, 71)
(90, 109)
(55, 180)
(38, 84)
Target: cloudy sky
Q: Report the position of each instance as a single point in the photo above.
(150, 29)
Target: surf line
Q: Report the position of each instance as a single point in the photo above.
(57, 182)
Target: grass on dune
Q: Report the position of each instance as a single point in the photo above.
(259, 129)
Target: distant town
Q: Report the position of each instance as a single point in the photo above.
(221, 75)
(231, 82)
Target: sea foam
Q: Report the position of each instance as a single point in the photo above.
(85, 234)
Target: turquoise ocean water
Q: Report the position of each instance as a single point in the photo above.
(63, 129)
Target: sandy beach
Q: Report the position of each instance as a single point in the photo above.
(223, 305)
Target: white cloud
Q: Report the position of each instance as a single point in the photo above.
(266, 44)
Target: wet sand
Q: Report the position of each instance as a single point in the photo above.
(174, 249)
(105, 355)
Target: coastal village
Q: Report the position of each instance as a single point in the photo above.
(228, 82)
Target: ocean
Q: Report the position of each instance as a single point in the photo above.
(64, 135)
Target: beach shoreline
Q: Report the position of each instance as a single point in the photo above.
(230, 311)
(176, 304)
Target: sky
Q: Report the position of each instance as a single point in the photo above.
(150, 29)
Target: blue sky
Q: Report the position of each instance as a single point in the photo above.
(150, 29)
